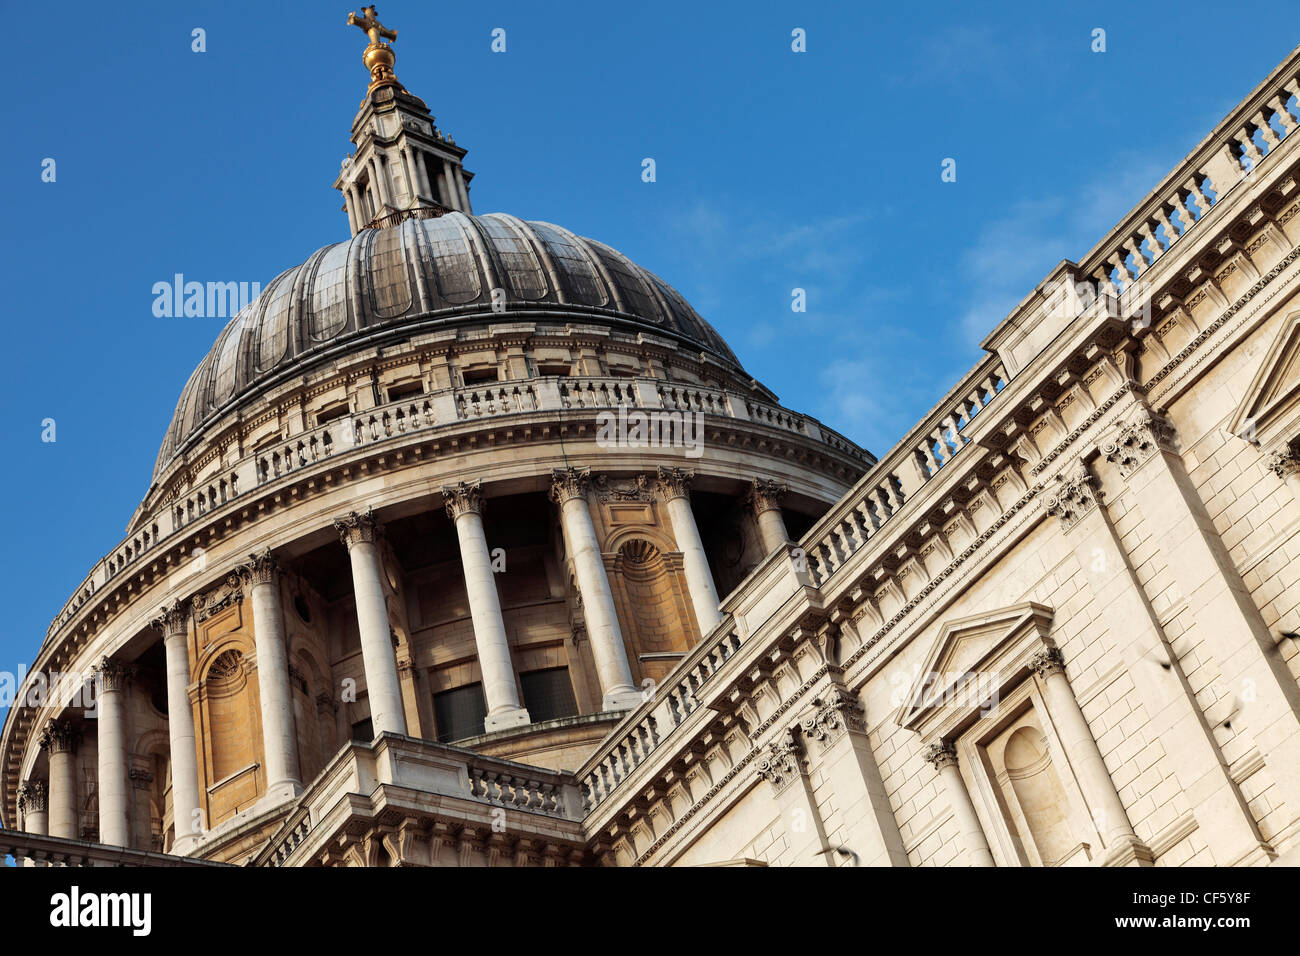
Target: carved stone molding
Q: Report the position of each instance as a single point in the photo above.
(113, 675)
(674, 482)
(356, 528)
(259, 569)
(766, 494)
(1049, 660)
(172, 619)
(940, 755)
(838, 712)
(569, 483)
(34, 797)
(1285, 461)
(464, 497)
(1137, 441)
(780, 764)
(60, 737)
(1076, 494)
(638, 488)
(227, 594)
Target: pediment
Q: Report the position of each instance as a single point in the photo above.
(970, 656)
(1270, 411)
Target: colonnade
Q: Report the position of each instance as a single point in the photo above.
(51, 806)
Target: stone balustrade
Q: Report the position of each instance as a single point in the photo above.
(645, 728)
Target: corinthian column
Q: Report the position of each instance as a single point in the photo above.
(1108, 812)
(187, 823)
(113, 785)
(673, 488)
(943, 757)
(464, 503)
(359, 533)
(33, 801)
(765, 498)
(569, 490)
(60, 741)
(261, 579)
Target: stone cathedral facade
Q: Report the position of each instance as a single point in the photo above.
(399, 594)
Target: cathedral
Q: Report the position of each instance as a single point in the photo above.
(471, 543)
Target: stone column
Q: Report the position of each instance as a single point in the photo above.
(943, 757)
(765, 498)
(422, 174)
(60, 742)
(187, 821)
(462, 189)
(674, 486)
(111, 752)
(1158, 677)
(1219, 605)
(261, 579)
(569, 491)
(380, 177)
(348, 204)
(360, 533)
(1099, 791)
(449, 187)
(33, 801)
(464, 504)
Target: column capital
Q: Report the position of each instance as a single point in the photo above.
(765, 494)
(259, 569)
(113, 675)
(1284, 461)
(1075, 495)
(1139, 440)
(172, 619)
(675, 482)
(464, 497)
(569, 483)
(354, 528)
(34, 797)
(140, 779)
(940, 755)
(59, 737)
(779, 766)
(1049, 660)
(836, 712)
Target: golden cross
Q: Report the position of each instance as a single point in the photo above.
(371, 26)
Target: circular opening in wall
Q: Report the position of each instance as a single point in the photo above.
(304, 612)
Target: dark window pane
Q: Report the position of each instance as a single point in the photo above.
(548, 694)
(460, 712)
(363, 731)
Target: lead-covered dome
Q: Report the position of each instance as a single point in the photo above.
(425, 272)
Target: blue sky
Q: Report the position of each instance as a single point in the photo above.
(775, 170)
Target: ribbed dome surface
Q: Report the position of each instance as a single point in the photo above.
(434, 271)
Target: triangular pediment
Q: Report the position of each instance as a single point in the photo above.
(1270, 410)
(971, 652)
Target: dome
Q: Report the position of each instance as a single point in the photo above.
(419, 275)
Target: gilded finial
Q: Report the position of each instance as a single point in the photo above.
(378, 56)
